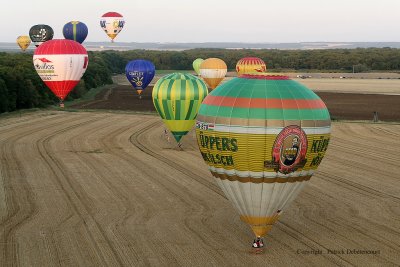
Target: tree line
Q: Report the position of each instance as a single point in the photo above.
(21, 87)
(335, 60)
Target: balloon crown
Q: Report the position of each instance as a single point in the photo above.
(264, 76)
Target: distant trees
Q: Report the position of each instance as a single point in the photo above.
(337, 60)
(21, 87)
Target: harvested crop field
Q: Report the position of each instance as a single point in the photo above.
(108, 189)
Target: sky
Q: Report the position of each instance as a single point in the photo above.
(257, 21)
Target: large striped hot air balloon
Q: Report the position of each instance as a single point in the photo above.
(196, 65)
(40, 33)
(250, 65)
(140, 73)
(112, 23)
(23, 42)
(177, 98)
(263, 137)
(75, 30)
(60, 64)
(213, 71)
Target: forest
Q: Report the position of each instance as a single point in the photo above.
(21, 87)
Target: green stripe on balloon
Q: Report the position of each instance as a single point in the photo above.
(74, 30)
(178, 105)
(276, 89)
(157, 106)
(167, 113)
(190, 110)
(260, 113)
(178, 135)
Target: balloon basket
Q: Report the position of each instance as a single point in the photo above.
(61, 105)
(257, 246)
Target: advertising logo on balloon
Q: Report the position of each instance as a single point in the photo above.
(44, 67)
(204, 126)
(43, 64)
(41, 35)
(261, 69)
(289, 150)
(138, 81)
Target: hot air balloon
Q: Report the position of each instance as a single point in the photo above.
(263, 137)
(139, 73)
(213, 71)
(112, 23)
(177, 98)
(250, 65)
(60, 64)
(41, 33)
(196, 65)
(23, 42)
(75, 30)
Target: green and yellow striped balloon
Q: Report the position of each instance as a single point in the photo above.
(177, 98)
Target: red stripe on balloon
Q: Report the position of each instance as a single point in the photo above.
(264, 77)
(60, 47)
(61, 88)
(112, 14)
(264, 102)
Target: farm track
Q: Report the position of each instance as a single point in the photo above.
(108, 189)
(179, 167)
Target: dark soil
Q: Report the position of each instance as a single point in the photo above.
(344, 106)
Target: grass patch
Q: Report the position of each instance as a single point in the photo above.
(20, 112)
(90, 95)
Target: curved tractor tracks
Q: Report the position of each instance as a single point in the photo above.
(117, 151)
(20, 200)
(181, 168)
(74, 197)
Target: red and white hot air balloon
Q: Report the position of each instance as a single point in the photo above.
(60, 64)
(112, 23)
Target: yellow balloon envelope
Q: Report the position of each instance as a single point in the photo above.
(23, 42)
(262, 136)
(250, 65)
(213, 71)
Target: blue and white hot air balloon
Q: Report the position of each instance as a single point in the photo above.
(139, 73)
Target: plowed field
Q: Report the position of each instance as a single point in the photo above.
(108, 189)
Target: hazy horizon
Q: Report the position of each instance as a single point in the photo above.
(177, 21)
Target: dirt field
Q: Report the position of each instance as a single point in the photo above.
(358, 83)
(341, 105)
(358, 86)
(107, 189)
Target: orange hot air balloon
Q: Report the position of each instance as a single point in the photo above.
(250, 65)
(213, 71)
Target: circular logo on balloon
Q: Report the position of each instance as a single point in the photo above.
(289, 150)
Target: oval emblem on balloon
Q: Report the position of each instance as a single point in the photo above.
(289, 150)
